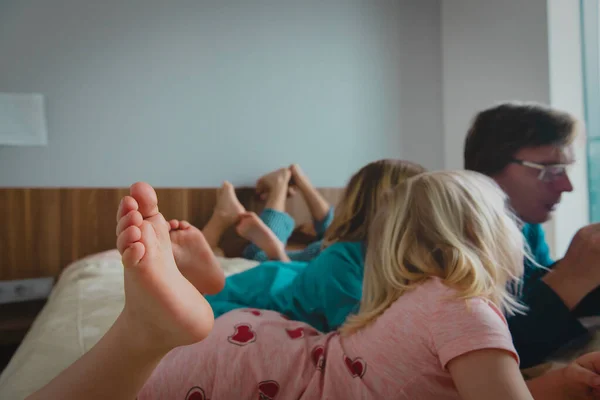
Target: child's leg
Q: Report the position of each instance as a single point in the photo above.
(281, 224)
(265, 183)
(162, 311)
(225, 214)
(320, 209)
(275, 184)
(309, 253)
(252, 228)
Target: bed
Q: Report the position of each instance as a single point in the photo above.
(84, 303)
(69, 234)
(76, 227)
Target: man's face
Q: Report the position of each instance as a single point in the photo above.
(533, 199)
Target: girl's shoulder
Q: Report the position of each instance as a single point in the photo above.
(438, 298)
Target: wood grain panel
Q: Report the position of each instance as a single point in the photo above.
(44, 229)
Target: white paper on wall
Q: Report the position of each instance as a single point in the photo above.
(22, 120)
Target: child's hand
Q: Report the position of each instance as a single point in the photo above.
(582, 377)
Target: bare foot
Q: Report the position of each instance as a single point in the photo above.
(162, 308)
(228, 206)
(268, 182)
(194, 257)
(226, 213)
(252, 228)
(299, 178)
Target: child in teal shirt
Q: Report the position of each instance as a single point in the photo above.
(323, 291)
(280, 222)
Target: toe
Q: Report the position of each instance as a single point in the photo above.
(133, 254)
(174, 224)
(155, 233)
(133, 218)
(128, 237)
(245, 215)
(146, 198)
(126, 205)
(184, 225)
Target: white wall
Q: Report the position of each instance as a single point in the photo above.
(422, 97)
(188, 93)
(492, 51)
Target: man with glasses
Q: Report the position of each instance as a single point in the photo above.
(527, 149)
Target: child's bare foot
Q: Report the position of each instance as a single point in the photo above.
(252, 228)
(299, 178)
(162, 308)
(277, 178)
(226, 213)
(228, 206)
(194, 257)
(192, 253)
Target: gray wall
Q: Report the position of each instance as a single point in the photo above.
(492, 51)
(188, 93)
(514, 49)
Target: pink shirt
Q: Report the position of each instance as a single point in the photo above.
(256, 354)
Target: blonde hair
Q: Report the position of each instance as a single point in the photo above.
(362, 197)
(452, 225)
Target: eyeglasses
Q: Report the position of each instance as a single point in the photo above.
(548, 173)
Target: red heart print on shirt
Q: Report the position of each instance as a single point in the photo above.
(295, 333)
(357, 367)
(299, 333)
(267, 390)
(318, 357)
(253, 312)
(196, 393)
(242, 335)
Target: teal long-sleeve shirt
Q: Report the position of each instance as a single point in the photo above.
(321, 292)
(548, 324)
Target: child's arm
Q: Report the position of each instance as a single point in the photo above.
(318, 206)
(115, 368)
(488, 374)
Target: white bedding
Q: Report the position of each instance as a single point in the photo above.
(85, 302)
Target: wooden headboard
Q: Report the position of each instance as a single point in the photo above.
(45, 229)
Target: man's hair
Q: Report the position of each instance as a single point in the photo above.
(497, 133)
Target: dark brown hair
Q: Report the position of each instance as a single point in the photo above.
(363, 195)
(497, 133)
